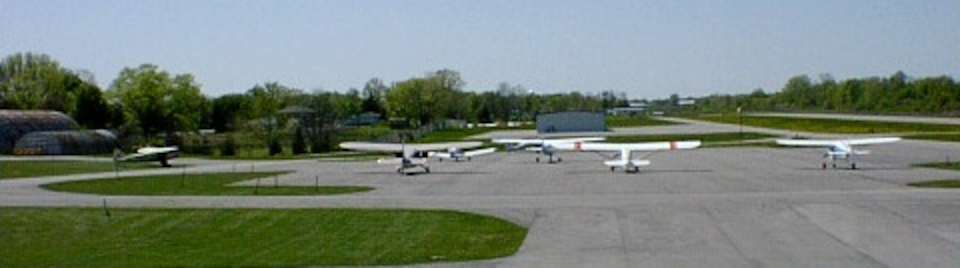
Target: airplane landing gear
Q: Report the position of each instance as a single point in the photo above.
(853, 165)
(824, 165)
(538, 159)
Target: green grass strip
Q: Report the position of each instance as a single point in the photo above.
(634, 121)
(452, 134)
(40, 168)
(937, 184)
(82, 237)
(709, 140)
(197, 184)
(829, 125)
(942, 165)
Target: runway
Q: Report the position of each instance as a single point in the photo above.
(715, 207)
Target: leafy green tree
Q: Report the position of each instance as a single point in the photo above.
(320, 133)
(36, 81)
(91, 109)
(265, 120)
(154, 102)
(374, 92)
(350, 103)
(228, 110)
(299, 142)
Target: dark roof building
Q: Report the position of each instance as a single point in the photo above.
(571, 122)
(69, 142)
(17, 123)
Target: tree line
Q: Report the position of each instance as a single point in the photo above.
(146, 102)
(896, 94)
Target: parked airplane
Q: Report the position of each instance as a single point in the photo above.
(150, 153)
(415, 155)
(542, 146)
(625, 161)
(839, 149)
(457, 154)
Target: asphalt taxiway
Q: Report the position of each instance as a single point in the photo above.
(714, 207)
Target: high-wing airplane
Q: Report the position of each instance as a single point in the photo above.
(457, 154)
(839, 149)
(414, 155)
(543, 146)
(150, 153)
(625, 161)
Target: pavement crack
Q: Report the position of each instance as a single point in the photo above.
(726, 236)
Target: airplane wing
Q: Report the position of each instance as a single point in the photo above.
(582, 139)
(518, 141)
(443, 146)
(151, 154)
(810, 143)
(479, 152)
(443, 155)
(399, 161)
(541, 141)
(645, 146)
(398, 147)
(867, 141)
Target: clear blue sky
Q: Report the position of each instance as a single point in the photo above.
(647, 48)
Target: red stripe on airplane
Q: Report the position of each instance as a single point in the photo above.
(576, 146)
(673, 145)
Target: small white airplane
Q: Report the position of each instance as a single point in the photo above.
(150, 153)
(415, 155)
(543, 146)
(839, 149)
(456, 154)
(625, 161)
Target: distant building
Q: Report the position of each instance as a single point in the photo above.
(571, 122)
(36, 132)
(69, 142)
(18, 123)
(633, 108)
(364, 119)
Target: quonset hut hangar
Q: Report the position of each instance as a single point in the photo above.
(30, 132)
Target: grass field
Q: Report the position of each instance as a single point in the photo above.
(452, 134)
(197, 184)
(634, 121)
(709, 140)
(40, 168)
(829, 125)
(80, 237)
(939, 183)
(942, 165)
